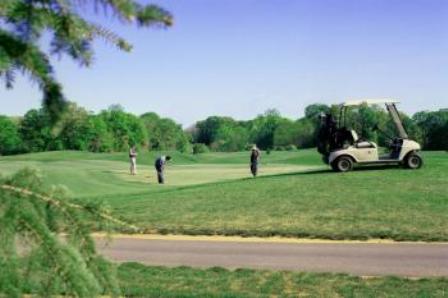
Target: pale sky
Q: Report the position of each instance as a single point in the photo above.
(241, 57)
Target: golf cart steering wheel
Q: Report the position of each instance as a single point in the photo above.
(361, 139)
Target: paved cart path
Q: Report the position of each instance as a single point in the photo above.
(366, 259)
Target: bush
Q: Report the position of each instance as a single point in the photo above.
(291, 148)
(10, 141)
(200, 148)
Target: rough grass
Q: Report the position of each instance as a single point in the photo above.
(142, 281)
(297, 197)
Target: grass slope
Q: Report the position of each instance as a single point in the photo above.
(381, 203)
(297, 199)
(141, 281)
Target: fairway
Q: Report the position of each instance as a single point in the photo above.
(295, 196)
(90, 175)
(207, 173)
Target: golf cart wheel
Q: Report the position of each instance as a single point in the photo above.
(343, 164)
(413, 161)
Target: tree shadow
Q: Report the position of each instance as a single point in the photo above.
(299, 173)
(378, 168)
(365, 168)
(318, 171)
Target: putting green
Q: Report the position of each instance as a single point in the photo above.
(205, 173)
(102, 175)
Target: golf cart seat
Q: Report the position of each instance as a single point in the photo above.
(360, 143)
(365, 144)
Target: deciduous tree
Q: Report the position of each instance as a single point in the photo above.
(10, 141)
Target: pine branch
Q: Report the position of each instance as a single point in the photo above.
(72, 35)
(58, 203)
(28, 58)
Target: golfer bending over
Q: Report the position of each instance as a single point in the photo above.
(160, 167)
(133, 160)
(254, 158)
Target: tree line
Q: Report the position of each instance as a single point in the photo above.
(115, 130)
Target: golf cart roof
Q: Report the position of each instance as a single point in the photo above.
(368, 101)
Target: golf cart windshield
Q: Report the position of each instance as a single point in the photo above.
(369, 102)
(391, 108)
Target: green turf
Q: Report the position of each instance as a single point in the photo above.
(91, 175)
(141, 281)
(297, 196)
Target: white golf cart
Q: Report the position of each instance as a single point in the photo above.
(342, 149)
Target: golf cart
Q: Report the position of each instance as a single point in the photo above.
(342, 149)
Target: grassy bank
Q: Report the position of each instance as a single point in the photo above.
(380, 203)
(296, 196)
(137, 280)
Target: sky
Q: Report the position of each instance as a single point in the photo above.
(241, 57)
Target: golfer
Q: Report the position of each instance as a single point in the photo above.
(133, 160)
(254, 159)
(160, 167)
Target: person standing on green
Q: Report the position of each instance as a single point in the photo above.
(133, 160)
(160, 167)
(254, 159)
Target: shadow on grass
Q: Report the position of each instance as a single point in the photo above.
(319, 171)
(378, 168)
(372, 168)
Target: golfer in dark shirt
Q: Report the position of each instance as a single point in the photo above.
(160, 167)
(254, 159)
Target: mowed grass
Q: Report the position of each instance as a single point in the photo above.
(90, 175)
(142, 281)
(296, 196)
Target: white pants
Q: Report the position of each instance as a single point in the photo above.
(133, 165)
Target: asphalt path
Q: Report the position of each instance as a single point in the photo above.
(365, 259)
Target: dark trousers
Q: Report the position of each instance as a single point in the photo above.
(254, 168)
(160, 177)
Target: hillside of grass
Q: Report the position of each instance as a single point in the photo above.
(296, 196)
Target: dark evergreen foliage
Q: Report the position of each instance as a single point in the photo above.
(32, 220)
(24, 22)
(31, 217)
